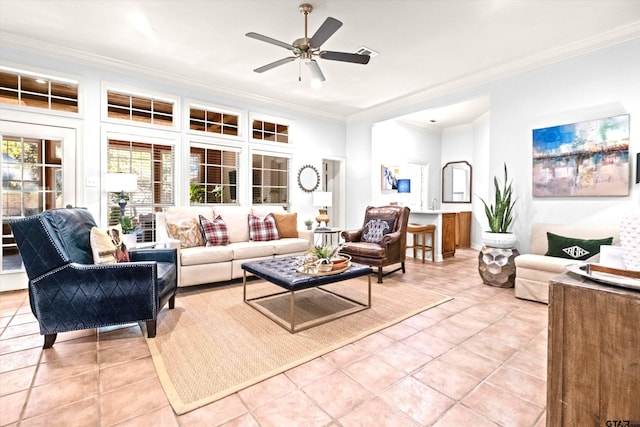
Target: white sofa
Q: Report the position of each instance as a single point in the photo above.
(535, 269)
(209, 264)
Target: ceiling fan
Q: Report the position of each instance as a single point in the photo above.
(306, 49)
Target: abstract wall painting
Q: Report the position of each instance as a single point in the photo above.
(589, 158)
(390, 176)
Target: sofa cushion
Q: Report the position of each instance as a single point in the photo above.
(542, 263)
(177, 214)
(287, 224)
(107, 246)
(205, 255)
(236, 219)
(290, 245)
(573, 248)
(248, 250)
(262, 229)
(187, 231)
(215, 232)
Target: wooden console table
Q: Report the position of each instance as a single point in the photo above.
(593, 375)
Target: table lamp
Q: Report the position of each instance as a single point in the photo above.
(322, 199)
(121, 183)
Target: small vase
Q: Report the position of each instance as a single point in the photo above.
(630, 239)
(499, 240)
(130, 240)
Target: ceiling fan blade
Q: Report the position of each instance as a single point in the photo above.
(275, 64)
(326, 30)
(314, 69)
(270, 40)
(345, 57)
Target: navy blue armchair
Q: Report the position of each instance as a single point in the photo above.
(67, 291)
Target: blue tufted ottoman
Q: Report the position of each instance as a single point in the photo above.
(282, 272)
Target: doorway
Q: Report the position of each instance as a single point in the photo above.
(38, 173)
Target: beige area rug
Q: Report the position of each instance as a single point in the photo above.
(213, 344)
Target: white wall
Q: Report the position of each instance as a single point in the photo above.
(594, 85)
(398, 144)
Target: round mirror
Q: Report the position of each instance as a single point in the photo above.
(308, 178)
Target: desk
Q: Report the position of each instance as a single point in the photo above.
(326, 236)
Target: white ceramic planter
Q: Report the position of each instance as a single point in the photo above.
(630, 239)
(130, 240)
(499, 240)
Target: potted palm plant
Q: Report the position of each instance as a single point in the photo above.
(500, 215)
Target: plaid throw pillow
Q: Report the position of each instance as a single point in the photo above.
(262, 229)
(215, 232)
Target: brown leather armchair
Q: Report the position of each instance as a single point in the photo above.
(381, 241)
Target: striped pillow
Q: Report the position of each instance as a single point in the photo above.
(215, 232)
(262, 229)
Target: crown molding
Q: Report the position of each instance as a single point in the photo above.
(58, 52)
(560, 53)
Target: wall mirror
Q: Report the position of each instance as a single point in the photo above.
(456, 182)
(308, 178)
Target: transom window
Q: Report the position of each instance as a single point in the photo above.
(140, 109)
(154, 164)
(213, 175)
(39, 91)
(270, 131)
(212, 121)
(270, 179)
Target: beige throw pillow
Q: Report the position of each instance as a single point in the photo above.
(107, 246)
(187, 231)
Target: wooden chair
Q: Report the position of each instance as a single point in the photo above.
(419, 241)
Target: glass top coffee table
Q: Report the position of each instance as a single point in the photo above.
(283, 273)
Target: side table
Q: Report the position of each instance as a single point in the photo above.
(497, 266)
(326, 236)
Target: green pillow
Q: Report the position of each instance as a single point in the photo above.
(578, 249)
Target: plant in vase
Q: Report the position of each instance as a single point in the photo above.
(500, 215)
(308, 223)
(324, 256)
(129, 231)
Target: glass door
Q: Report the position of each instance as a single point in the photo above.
(38, 165)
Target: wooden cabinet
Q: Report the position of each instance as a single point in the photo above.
(593, 376)
(448, 234)
(463, 229)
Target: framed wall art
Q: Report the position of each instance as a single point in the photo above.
(589, 158)
(390, 175)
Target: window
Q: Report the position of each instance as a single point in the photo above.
(31, 184)
(270, 179)
(154, 165)
(140, 109)
(262, 130)
(204, 119)
(213, 175)
(39, 91)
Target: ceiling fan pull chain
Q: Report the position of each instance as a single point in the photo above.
(299, 71)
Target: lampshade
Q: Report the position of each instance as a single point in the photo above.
(322, 198)
(404, 186)
(121, 182)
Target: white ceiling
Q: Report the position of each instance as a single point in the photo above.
(425, 46)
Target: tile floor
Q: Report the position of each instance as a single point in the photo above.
(478, 360)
